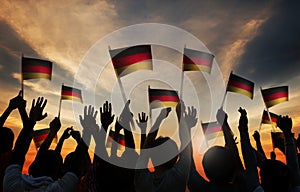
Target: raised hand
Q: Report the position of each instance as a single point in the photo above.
(67, 133)
(285, 124)
(118, 126)
(243, 123)
(36, 111)
(126, 116)
(88, 121)
(191, 117)
(76, 135)
(256, 136)
(106, 116)
(221, 116)
(55, 125)
(142, 122)
(17, 102)
(164, 113)
(180, 109)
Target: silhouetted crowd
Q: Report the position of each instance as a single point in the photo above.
(129, 172)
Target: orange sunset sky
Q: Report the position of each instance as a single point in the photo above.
(258, 40)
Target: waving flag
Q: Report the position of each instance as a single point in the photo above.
(36, 68)
(240, 85)
(131, 59)
(194, 60)
(70, 93)
(212, 130)
(39, 137)
(278, 141)
(162, 98)
(266, 119)
(275, 95)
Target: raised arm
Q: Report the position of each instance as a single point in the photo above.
(88, 122)
(285, 124)
(65, 135)
(106, 118)
(230, 142)
(260, 154)
(25, 136)
(124, 120)
(154, 129)
(142, 123)
(14, 103)
(116, 136)
(54, 128)
(248, 153)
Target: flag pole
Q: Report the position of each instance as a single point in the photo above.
(22, 83)
(182, 76)
(59, 108)
(123, 94)
(260, 126)
(223, 101)
(271, 122)
(150, 109)
(207, 145)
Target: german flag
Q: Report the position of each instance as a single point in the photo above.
(266, 119)
(278, 141)
(36, 68)
(110, 139)
(70, 93)
(275, 95)
(194, 60)
(39, 137)
(240, 85)
(212, 130)
(131, 59)
(162, 98)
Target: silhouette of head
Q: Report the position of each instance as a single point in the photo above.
(6, 139)
(219, 164)
(170, 147)
(275, 176)
(72, 157)
(47, 163)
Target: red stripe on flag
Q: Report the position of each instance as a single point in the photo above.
(36, 69)
(40, 137)
(196, 61)
(70, 93)
(163, 98)
(240, 85)
(275, 96)
(129, 60)
(212, 130)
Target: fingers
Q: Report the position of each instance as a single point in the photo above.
(33, 103)
(44, 116)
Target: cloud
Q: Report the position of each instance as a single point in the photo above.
(275, 51)
(60, 31)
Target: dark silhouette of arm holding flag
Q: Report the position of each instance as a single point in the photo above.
(285, 124)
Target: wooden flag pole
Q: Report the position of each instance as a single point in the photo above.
(204, 136)
(223, 101)
(59, 107)
(122, 90)
(22, 80)
(182, 76)
(123, 94)
(271, 122)
(260, 126)
(181, 85)
(150, 110)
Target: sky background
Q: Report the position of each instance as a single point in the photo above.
(258, 40)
